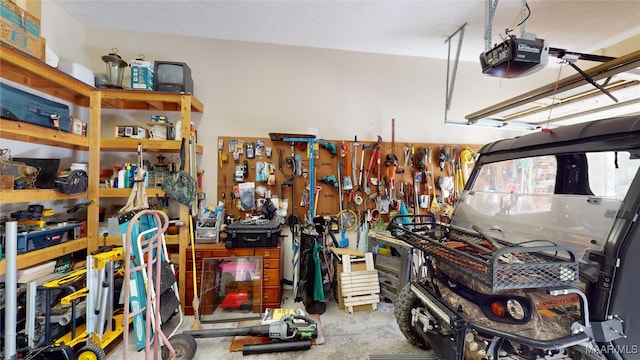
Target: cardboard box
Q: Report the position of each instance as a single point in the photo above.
(20, 29)
(141, 75)
(130, 131)
(33, 7)
(78, 71)
(78, 126)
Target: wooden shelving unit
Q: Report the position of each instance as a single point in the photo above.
(27, 71)
(140, 100)
(30, 72)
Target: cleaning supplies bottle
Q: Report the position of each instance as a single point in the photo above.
(121, 175)
(194, 133)
(178, 130)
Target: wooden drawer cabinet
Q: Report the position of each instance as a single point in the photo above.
(271, 295)
(272, 273)
(271, 263)
(268, 253)
(270, 277)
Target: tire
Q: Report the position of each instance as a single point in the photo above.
(406, 301)
(91, 351)
(184, 345)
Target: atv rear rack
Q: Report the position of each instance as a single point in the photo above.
(510, 267)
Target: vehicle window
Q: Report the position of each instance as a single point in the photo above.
(534, 175)
(571, 199)
(611, 173)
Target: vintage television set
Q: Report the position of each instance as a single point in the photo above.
(172, 76)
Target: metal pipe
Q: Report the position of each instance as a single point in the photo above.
(11, 289)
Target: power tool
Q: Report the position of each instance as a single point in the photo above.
(331, 147)
(291, 327)
(292, 333)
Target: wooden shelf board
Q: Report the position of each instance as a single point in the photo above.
(117, 240)
(28, 195)
(146, 100)
(124, 144)
(49, 253)
(21, 131)
(119, 193)
(37, 75)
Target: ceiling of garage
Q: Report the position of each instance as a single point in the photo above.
(411, 28)
(415, 28)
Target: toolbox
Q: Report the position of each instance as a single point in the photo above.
(30, 108)
(47, 236)
(254, 233)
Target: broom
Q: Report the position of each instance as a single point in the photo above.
(196, 302)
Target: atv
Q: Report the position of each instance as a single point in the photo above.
(540, 256)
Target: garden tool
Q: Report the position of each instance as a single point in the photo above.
(315, 205)
(401, 169)
(375, 157)
(362, 179)
(354, 144)
(391, 158)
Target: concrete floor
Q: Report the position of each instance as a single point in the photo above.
(365, 334)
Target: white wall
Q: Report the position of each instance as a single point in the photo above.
(251, 89)
(64, 34)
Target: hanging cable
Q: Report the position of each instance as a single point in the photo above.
(507, 31)
(553, 98)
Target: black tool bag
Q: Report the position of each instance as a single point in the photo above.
(72, 183)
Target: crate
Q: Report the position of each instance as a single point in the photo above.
(358, 287)
(208, 230)
(388, 262)
(536, 266)
(394, 270)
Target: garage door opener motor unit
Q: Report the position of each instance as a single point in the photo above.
(515, 57)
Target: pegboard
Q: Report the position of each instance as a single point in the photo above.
(271, 164)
